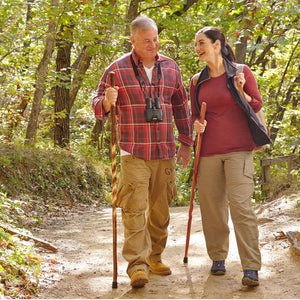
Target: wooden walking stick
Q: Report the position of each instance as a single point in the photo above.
(196, 163)
(114, 184)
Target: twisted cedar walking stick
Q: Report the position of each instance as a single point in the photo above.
(114, 184)
(196, 164)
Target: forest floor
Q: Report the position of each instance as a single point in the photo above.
(82, 266)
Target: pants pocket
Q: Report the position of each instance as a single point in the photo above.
(172, 191)
(131, 198)
(248, 168)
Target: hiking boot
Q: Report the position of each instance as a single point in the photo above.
(218, 267)
(159, 268)
(139, 278)
(250, 278)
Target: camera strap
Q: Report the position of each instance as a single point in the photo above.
(138, 77)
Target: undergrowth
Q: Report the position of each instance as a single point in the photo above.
(19, 267)
(53, 175)
(36, 185)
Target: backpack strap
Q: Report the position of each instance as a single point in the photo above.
(195, 78)
(239, 68)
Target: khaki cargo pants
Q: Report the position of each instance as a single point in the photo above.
(145, 190)
(227, 181)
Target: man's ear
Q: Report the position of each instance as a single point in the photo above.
(132, 40)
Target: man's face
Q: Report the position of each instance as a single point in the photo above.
(145, 43)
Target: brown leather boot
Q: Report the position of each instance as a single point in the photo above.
(159, 268)
(139, 278)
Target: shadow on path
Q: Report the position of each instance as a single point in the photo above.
(84, 263)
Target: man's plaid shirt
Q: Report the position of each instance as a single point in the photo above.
(145, 140)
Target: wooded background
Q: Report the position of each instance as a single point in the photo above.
(53, 53)
(55, 157)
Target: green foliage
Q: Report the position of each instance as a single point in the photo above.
(12, 211)
(36, 185)
(271, 30)
(19, 267)
(101, 25)
(184, 183)
(44, 181)
(19, 262)
(56, 176)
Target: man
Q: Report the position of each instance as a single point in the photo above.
(148, 93)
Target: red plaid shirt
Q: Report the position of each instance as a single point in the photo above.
(147, 140)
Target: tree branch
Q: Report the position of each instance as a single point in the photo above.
(25, 237)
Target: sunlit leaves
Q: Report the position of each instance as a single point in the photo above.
(19, 266)
(271, 30)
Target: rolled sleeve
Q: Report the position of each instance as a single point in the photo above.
(251, 89)
(182, 114)
(184, 140)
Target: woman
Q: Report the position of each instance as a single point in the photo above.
(225, 176)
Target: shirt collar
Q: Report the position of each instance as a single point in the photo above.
(138, 61)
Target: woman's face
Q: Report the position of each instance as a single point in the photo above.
(205, 48)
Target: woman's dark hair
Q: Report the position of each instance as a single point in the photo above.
(214, 34)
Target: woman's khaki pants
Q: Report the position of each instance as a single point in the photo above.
(227, 181)
(145, 190)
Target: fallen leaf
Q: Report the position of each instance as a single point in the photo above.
(280, 235)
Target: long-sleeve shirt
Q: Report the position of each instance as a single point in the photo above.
(227, 127)
(147, 140)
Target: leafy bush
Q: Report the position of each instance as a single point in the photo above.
(52, 175)
(36, 185)
(19, 267)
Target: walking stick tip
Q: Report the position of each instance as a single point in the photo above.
(114, 285)
(185, 260)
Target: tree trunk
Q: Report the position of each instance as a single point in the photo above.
(241, 50)
(132, 13)
(98, 128)
(26, 44)
(40, 82)
(62, 92)
(20, 109)
(81, 66)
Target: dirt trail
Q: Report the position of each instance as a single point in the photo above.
(83, 268)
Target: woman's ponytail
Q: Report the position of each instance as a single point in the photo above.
(228, 52)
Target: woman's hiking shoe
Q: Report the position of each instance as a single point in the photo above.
(218, 267)
(250, 278)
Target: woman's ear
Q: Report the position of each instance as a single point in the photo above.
(217, 44)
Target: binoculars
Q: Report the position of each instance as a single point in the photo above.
(153, 112)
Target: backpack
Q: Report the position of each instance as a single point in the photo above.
(260, 114)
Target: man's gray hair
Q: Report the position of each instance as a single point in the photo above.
(142, 23)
